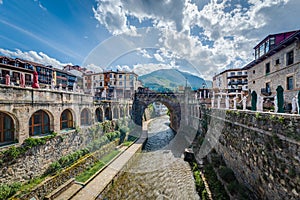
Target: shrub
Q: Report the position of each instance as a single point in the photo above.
(7, 191)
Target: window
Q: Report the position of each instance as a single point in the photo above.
(232, 73)
(253, 82)
(267, 68)
(253, 71)
(290, 83)
(277, 61)
(272, 41)
(120, 83)
(290, 58)
(66, 120)
(6, 128)
(240, 73)
(84, 117)
(268, 87)
(39, 123)
(120, 76)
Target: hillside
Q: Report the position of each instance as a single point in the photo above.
(170, 79)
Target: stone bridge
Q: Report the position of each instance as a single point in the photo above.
(179, 105)
(26, 112)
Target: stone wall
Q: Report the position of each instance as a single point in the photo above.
(53, 183)
(36, 160)
(263, 149)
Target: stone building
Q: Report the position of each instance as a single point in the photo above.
(233, 81)
(111, 84)
(277, 62)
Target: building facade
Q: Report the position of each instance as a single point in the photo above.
(47, 75)
(277, 63)
(231, 81)
(111, 84)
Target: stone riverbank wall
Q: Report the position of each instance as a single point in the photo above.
(35, 161)
(263, 150)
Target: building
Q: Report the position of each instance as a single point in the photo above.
(111, 84)
(231, 81)
(65, 79)
(14, 68)
(46, 74)
(78, 72)
(277, 62)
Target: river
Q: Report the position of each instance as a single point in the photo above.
(156, 173)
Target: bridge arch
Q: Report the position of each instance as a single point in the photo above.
(143, 100)
(8, 127)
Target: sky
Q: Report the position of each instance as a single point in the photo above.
(203, 37)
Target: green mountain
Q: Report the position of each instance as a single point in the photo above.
(170, 79)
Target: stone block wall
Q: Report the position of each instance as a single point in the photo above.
(263, 149)
(36, 160)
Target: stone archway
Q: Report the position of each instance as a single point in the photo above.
(143, 100)
(99, 114)
(66, 120)
(85, 117)
(39, 123)
(7, 128)
(108, 113)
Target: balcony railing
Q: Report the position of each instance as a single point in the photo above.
(266, 91)
(238, 83)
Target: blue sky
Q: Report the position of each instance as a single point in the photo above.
(200, 36)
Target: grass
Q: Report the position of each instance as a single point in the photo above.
(84, 176)
(127, 143)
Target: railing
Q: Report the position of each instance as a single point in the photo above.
(266, 91)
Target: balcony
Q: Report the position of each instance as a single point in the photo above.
(238, 83)
(266, 91)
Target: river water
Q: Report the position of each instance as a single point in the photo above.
(156, 173)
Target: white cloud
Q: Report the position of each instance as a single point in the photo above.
(158, 57)
(1, 1)
(144, 53)
(94, 68)
(142, 69)
(33, 56)
(228, 29)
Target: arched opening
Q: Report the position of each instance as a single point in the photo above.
(116, 113)
(66, 120)
(6, 128)
(85, 117)
(99, 115)
(39, 123)
(122, 112)
(108, 114)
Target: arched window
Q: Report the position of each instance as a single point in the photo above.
(122, 112)
(6, 128)
(99, 115)
(108, 114)
(39, 123)
(116, 113)
(84, 117)
(66, 120)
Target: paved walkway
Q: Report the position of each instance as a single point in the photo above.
(99, 183)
